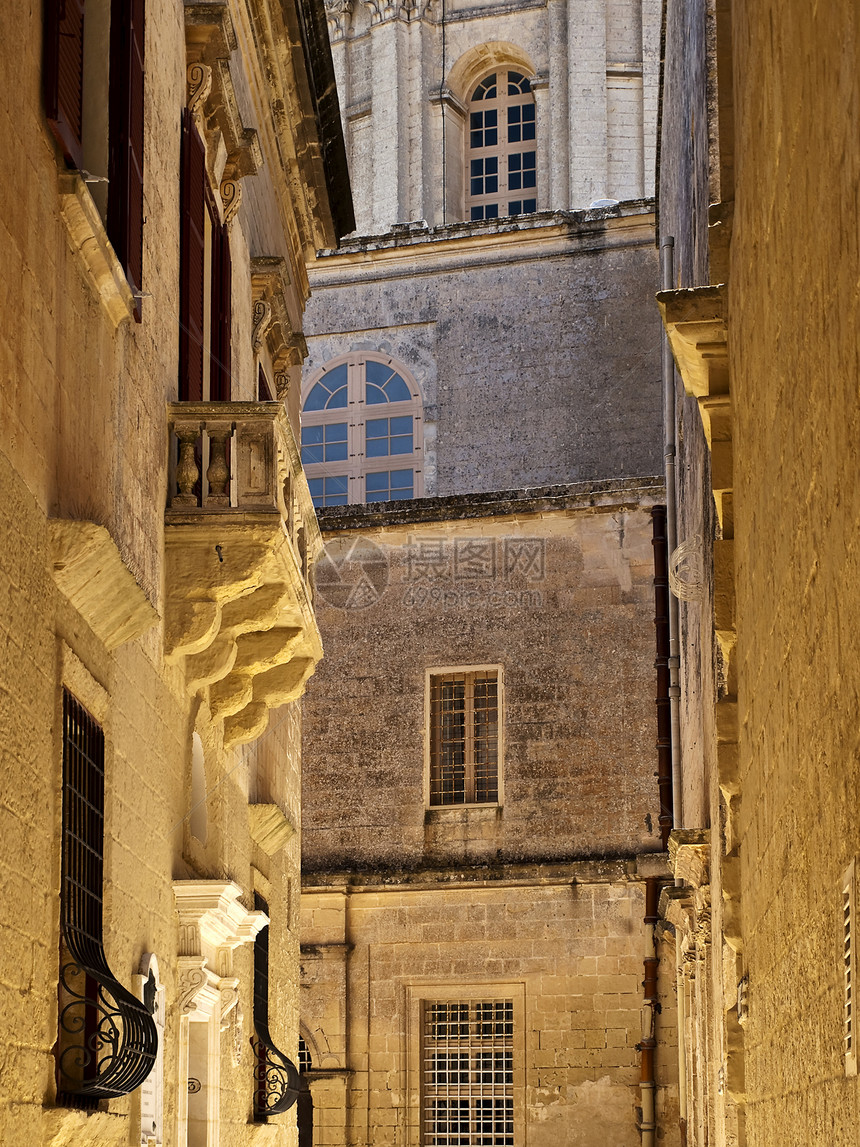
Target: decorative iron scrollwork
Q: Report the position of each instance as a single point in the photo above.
(277, 1078)
(108, 1038)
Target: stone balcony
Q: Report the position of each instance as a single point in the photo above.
(241, 537)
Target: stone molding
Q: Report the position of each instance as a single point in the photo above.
(89, 571)
(89, 241)
(337, 14)
(210, 41)
(270, 289)
(212, 923)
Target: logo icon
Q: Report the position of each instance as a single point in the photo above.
(351, 573)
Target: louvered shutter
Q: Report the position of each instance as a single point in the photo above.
(222, 291)
(63, 74)
(193, 240)
(125, 132)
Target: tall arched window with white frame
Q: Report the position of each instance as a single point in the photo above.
(361, 432)
(501, 155)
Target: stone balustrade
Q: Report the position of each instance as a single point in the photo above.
(240, 537)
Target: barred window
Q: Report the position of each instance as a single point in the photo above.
(108, 1040)
(468, 1074)
(464, 737)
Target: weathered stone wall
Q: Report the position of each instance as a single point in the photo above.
(84, 438)
(574, 634)
(793, 322)
(566, 942)
(535, 348)
(595, 78)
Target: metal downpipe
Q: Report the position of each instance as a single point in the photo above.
(667, 272)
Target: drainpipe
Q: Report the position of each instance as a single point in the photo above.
(667, 273)
(650, 1008)
(664, 716)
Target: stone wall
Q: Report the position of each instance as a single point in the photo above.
(84, 591)
(595, 81)
(534, 346)
(794, 368)
(574, 635)
(564, 942)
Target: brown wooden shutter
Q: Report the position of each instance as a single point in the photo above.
(191, 262)
(125, 138)
(222, 291)
(63, 74)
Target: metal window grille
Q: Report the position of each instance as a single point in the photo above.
(277, 1082)
(107, 1038)
(467, 1062)
(305, 1061)
(464, 738)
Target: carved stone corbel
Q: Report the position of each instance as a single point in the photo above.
(192, 980)
(199, 80)
(337, 14)
(262, 319)
(229, 987)
(231, 197)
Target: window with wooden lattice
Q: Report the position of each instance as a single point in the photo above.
(464, 736)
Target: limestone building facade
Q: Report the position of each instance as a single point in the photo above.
(167, 170)
(761, 313)
(482, 836)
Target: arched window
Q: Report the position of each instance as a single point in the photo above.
(501, 160)
(361, 432)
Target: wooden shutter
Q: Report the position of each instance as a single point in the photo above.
(63, 74)
(222, 291)
(193, 241)
(125, 132)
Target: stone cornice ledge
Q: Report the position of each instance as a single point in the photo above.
(212, 918)
(91, 245)
(695, 322)
(690, 855)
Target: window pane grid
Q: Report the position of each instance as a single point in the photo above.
(502, 121)
(464, 738)
(467, 1068)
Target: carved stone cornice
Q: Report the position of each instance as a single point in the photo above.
(690, 855)
(210, 41)
(270, 287)
(337, 14)
(383, 11)
(212, 919)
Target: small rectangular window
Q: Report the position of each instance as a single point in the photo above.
(464, 737)
(468, 1074)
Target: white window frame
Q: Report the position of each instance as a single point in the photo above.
(503, 149)
(356, 414)
(443, 671)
